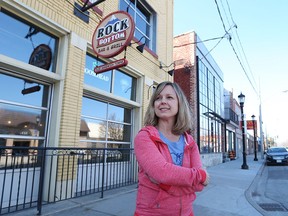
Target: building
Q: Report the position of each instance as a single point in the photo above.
(49, 93)
(233, 129)
(202, 81)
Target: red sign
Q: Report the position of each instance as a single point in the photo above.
(110, 66)
(113, 34)
(250, 124)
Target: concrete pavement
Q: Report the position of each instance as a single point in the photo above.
(229, 193)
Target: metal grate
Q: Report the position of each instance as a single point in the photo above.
(272, 207)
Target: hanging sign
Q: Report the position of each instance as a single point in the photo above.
(250, 124)
(113, 34)
(110, 66)
(41, 57)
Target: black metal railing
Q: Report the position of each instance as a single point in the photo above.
(232, 116)
(31, 177)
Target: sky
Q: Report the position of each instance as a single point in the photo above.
(256, 63)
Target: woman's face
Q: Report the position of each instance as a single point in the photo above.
(166, 103)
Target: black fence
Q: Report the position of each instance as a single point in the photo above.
(31, 177)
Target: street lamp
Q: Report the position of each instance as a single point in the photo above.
(241, 98)
(37, 120)
(255, 137)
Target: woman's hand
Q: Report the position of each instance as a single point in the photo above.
(206, 182)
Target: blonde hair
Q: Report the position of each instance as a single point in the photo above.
(184, 116)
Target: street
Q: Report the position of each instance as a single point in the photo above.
(270, 190)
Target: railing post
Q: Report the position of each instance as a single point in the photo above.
(103, 173)
(41, 181)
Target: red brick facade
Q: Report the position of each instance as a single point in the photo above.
(186, 72)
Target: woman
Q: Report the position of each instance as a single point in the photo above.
(170, 169)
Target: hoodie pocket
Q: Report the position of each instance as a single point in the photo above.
(161, 196)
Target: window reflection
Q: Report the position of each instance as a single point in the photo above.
(120, 114)
(118, 132)
(94, 108)
(23, 118)
(95, 129)
(101, 81)
(124, 86)
(11, 90)
(121, 84)
(95, 126)
(26, 42)
(21, 121)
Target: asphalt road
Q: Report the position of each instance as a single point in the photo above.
(277, 184)
(269, 191)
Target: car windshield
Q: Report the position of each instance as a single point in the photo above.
(277, 150)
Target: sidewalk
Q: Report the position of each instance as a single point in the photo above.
(226, 195)
(228, 191)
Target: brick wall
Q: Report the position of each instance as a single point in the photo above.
(186, 72)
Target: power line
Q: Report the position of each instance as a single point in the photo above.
(220, 15)
(234, 50)
(243, 68)
(229, 38)
(212, 48)
(202, 41)
(245, 57)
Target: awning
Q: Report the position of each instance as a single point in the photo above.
(215, 116)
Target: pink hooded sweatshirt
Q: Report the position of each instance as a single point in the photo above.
(166, 189)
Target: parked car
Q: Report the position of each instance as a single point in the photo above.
(276, 155)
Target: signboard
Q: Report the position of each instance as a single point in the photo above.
(110, 66)
(113, 34)
(250, 124)
(41, 57)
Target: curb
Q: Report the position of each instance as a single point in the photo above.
(250, 190)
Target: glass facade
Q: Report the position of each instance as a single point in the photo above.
(210, 110)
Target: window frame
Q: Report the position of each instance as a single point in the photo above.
(55, 40)
(106, 141)
(111, 77)
(134, 7)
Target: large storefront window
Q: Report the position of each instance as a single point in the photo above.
(104, 125)
(113, 81)
(26, 42)
(24, 106)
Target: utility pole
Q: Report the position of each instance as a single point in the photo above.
(261, 131)
(261, 125)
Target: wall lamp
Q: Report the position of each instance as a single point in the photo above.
(170, 72)
(140, 47)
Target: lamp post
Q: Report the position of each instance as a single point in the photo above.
(241, 98)
(255, 138)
